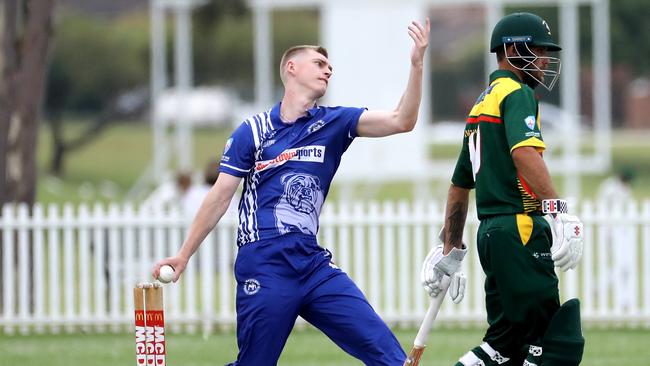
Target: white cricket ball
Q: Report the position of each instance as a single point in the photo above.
(166, 274)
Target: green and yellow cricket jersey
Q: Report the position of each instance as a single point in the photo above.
(504, 118)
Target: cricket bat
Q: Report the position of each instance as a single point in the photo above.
(413, 358)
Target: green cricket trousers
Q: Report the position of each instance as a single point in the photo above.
(521, 287)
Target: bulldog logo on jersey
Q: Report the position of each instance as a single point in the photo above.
(316, 126)
(530, 122)
(251, 286)
(300, 204)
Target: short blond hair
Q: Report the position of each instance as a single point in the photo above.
(292, 51)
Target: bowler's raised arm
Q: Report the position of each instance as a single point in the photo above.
(404, 116)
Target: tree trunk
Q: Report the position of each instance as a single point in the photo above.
(26, 33)
(61, 147)
(58, 144)
(56, 164)
(8, 68)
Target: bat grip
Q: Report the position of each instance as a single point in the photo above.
(432, 312)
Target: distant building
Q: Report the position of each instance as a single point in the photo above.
(637, 104)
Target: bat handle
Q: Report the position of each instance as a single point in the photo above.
(432, 313)
(420, 341)
(414, 356)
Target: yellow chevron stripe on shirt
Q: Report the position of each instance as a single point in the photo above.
(534, 142)
(491, 104)
(529, 202)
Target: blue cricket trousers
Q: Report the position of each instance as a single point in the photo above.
(282, 278)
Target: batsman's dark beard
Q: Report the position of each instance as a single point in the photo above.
(521, 63)
(530, 81)
(524, 61)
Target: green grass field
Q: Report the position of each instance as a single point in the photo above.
(305, 348)
(113, 162)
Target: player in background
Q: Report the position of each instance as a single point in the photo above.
(287, 157)
(524, 227)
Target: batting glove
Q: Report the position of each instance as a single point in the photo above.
(568, 236)
(437, 265)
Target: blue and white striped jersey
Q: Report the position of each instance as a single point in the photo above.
(288, 168)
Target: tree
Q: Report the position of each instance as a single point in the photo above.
(86, 78)
(26, 31)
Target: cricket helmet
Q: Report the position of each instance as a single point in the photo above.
(526, 30)
(523, 27)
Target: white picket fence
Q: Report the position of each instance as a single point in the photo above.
(73, 268)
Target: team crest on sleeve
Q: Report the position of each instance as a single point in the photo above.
(228, 144)
(530, 122)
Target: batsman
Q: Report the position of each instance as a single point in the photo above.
(525, 230)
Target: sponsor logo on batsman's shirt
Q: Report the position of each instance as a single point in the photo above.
(314, 154)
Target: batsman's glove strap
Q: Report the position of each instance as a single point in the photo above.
(554, 206)
(450, 263)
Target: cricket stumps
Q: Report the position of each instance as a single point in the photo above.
(150, 347)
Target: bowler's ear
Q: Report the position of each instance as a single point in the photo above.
(291, 67)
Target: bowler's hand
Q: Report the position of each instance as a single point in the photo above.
(177, 262)
(420, 35)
